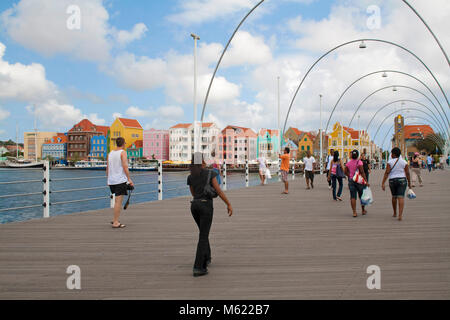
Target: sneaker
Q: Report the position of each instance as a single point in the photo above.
(200, 272)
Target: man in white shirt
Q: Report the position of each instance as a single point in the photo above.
(262, 169)
(329, 160)
(309, 169)
(118, 177)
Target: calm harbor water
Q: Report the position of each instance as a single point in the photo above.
(171, 181)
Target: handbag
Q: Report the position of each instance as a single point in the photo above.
(339, 172)
(209, 190)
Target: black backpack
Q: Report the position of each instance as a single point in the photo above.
(209, 190)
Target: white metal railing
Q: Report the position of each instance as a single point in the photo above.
(47, 191)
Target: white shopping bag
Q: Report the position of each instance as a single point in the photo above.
(268, 175)
(411, 194)
(367, 197)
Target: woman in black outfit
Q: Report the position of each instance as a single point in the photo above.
(366, 165)
(202, 211)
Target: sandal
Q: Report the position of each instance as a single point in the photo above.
(120, 226)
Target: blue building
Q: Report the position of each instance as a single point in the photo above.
(55, 148)
(98, 147)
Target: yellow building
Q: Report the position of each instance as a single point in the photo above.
(305, 142)
(345, 140)
(129, 129)
(340, 139)
(34, 141)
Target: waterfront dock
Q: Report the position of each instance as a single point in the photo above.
(297, 246)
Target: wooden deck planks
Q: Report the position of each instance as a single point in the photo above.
(297, 246)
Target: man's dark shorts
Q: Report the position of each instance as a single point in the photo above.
(309, 175)
(119, 189)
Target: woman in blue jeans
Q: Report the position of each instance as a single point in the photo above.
(336, 175)
(398, 173)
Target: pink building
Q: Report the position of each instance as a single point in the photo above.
(156, 144)
(236, 145)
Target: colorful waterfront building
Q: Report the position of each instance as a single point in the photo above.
(135, 150)
(156, 144)
(79, 139)
(268, 143)
(345, 140)
(129, 129)
(237, 145)
(292, 147)
(33, 142)
(55, 148)
(99, 146)
(293, 134)
(414, 133)
(306, 142)
(181, 142)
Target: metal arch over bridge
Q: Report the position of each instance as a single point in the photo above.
(354, 41)
(411, 101)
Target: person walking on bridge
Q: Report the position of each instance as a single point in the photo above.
(201, 183)
(118, 177)
(416, 169)
(352, 167)
(284, 168)
(309, 169)
(398, 173)
(336, 175)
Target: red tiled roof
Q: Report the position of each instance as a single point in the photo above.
(297, 132)
(424, 129)
(139, 144)
(187, 125)
(181, 126)
(85, 125)
(130, 123)
(103, 129)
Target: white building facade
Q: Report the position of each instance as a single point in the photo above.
(181, 142)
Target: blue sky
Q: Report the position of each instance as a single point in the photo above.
(135, 60)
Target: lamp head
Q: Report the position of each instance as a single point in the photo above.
(362, 45)
(196, 37)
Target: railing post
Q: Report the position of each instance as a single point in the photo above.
(46, 192)
(224, 176)
(293, 171)
(279, 170)
(247, 181)
(160, 181)
(113, 200)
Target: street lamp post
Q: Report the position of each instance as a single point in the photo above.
(196, 133)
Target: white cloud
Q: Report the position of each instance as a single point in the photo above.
(4, 114)
(93, 117)
(199, 11)
(29, 23)
(137, 112)
(41, 25)
(247, 49)
(175, 74)
(117, 115)
(125, 37)
(160, 118)
(52, 114)
(24, 82)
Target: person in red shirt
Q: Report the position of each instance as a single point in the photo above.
(284, 168)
